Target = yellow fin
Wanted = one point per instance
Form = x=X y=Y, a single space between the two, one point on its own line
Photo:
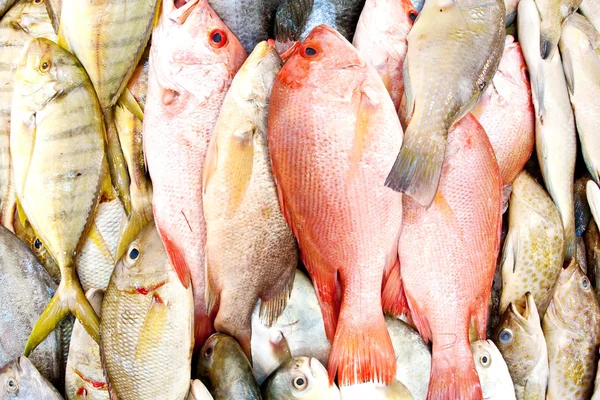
x=128 y=101
x=239 y=165
x=96 y=237
x=132 y=227
x=21 y=213
x=366 y=107
x=116 y=161
x=153 y=328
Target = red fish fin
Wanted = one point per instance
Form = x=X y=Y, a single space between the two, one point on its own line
x=393 y=298
x=203 y=328
x=453 y=373
x=480 y=317
x=327 y=288
x=177 y=259
x=362 y=353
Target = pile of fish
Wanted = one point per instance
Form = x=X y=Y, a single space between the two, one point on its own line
x=299 y=199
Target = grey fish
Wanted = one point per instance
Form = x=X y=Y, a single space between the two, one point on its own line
x=583 y=214
x=20 y=380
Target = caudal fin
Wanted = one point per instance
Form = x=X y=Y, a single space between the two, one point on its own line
x=393 y=298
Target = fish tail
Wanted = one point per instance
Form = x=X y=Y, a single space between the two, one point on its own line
x=68 y=298
x=393 y=298
x=453 y=373
x=140 y=216
x=418 y=167
x=116 y=161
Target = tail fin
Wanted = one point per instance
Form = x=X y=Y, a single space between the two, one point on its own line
x=131 y=227
x=453 y=373
x=116 y=160
x=393 y=298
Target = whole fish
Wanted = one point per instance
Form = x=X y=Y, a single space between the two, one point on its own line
x=449 y=252
x=454 y=50
x=251 y=21
x=198 y=391
x=20 y=380
x=84 y=377
x=25 y=289
x=188 y=76
x=147 y=324
x=578 y=45
x=506 y=113
x=251 y=253
x=5 y=5
x=347 y=252
x=520 y=339
x=555 y=139
x=592 y=246
x=55 y=111
x=532 y=257
x=27 y=235
x=300 y=378
x=572 y=330
x=496 y=382
x=225 y=370
x=25 y=20
x=583 y=215
x=553 y=14
x=380 y=38
x=591 y=10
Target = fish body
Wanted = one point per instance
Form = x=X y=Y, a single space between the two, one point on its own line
x=147 y=324
x=553 y=15
x=20 y=380
x=591 y=10
x=505 y=111
x=27 y=19
x=496 y=382
x=454 y=50
x=449 y=252
x=225 y=370
x=381 y=39
x=189 y=74
x=520 y=339
x=555 y=139
x=84 y=377
x=249 y=247
x=357 y=239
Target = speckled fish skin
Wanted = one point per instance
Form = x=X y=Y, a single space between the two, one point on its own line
x=505 y=111
x=147 y=325
x=591 y=10
x=225 y=370
x=454 y=50
x=358 y=238
x=532 y=257
x=25 y=20
x=496 y=383
x=187 y=82
x=84 y=377
x=251 y=21
x=251 y=252
x=380 y=37
x=555 y=138
x=27 y=236
x=25 y=289
x=579 y=44
x=300 y=378
x=553 y=14
x=572 y=330
x=20 y=380
x=448 y=257
x=58 y=188
x=520 y=339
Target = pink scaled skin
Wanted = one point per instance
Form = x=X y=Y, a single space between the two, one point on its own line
x=381 y=39
x=333 y=133
x=506 y=113
x=448 y=256
x=189 y=75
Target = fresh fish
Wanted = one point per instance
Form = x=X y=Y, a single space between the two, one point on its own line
x=532 y=257
x=25 y=289
x=300 y=378
x=449 y=252
x=25 y=20
x=578 y=45
x=506 y=113
x=225 y=370
x=572 y=330
x=5 y=5
x=84 y=377
x=251 y=21
x=520 y=339
x=188 y=77
x=54 y=8
x=496 y=383
x=147 y=325
x=198 y=391
x=592 y=246
x=272 y=353
x=251 y=253
x=27 y=236
x=109 y=37
x=553 y=14
x=346 y=252
x=555 y=139
x=418 y=4
x=583 y=215
x=511 y=11
x=591 y=10
x=381 y=39
x=454 y=50
x=20 y=380
x=55 y=111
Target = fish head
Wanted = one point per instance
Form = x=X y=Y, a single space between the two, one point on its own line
x=256 y=75
x=21 y=380
x=388 y=20
x=28 y=236
x=300 y=377
x=221 y=359
x=31 y=17
x=491 y=368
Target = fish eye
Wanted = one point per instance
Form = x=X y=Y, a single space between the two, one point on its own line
x=412 y=15
x=37 y=244
x=300 y=383
x=218 y=38
x=585 y=283
x=134 y=253
x=38 y=1
x=309 y=52
x=485 y=360
x=506 y=336
x=12 y=386
x=208 y=352
x=45 y=65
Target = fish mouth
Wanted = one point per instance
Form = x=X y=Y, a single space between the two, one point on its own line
x=316 y=368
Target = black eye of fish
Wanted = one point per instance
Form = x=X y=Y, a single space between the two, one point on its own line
x=310 y=52
x=484 y=360
x=505 y=336
x=134 y=253
x=585 y=282
x=413 y=16
x=12 y=385
x=38 y=1
x=208 y=352
x=37 y=244
x=299 y=383
x=45 y=66
x=218 y=38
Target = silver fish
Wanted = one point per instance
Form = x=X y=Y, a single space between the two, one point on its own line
x=20 y=380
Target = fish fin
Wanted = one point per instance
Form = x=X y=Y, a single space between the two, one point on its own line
x=157 y=13
x=539 y=89
x=548 y=42
x=453 y=373
x=97 y=239
x=61 y=41
x=362 y=353
x=415 y=172
x=210 y=162
x=128 y=101
x=420 y=320
x=8 y=212
x=177 y=259
x=153 y=327
x=131 y=227
x=273 y=304
x=366 y=107
x=116 y=161
x=393 y=298
x=203 y=328
x=68 y=298
x=568 y=68
x=21 y=213
x=480 y=316
x=239 y=164
x=408 y=93
x=211 y=296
